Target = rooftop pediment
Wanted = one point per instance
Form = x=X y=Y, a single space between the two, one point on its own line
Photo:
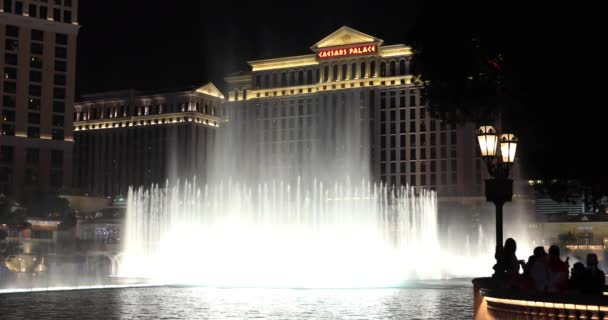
x=211 y=90
x=343 y=37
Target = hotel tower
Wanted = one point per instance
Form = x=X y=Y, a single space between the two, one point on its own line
x=352 y=72
x=38 y=63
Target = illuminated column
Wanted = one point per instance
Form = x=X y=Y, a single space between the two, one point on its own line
x=347 y=70
x=377 y=68
x=321 y=72
x=339 y=77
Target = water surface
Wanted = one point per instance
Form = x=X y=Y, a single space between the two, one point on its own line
x=451 y=299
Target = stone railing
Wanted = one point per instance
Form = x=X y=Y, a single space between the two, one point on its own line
x=491 y=303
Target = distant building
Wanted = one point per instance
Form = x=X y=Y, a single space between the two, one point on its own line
x=38 y=63
x=350 y=73
x=548 y=206
x=132 y=138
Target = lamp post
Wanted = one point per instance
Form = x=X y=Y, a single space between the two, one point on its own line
x=499 y=189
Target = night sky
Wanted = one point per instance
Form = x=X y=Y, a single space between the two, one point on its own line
x=553 y=55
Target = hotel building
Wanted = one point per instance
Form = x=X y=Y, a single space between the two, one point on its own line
x=130 y=138
x=38 y=62
x=350 y=71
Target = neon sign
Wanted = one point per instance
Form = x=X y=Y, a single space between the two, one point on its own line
x=348 y=51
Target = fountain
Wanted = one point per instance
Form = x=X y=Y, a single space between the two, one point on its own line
x=288 y=201
x=341 y=235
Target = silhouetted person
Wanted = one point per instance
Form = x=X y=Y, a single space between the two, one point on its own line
x=510 y=259
x=577 y=278
x=558 y=272
x=536 y=269
x=594 y=279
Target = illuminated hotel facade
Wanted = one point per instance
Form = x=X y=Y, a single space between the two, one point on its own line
x=38 y=63
x=408 y=145
x=130 y=138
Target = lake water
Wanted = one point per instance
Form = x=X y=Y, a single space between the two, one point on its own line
x=448 y=299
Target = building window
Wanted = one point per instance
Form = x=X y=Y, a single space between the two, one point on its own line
x=402 y=67
x=11 y=45
x=58 y=106
x=33 y=132
x=300 y=77
x=325 y=73
x=57 y=14
x=8 y=6
x=62 y=66
x=335 y=72
x=10 y=73
x=57 y=134
x=44 y=12
x=309 y=79
x=36 y=62
x=56 y=158
x=36 y=48
x=35 y=76
x=18 y=7
x=362 y=71
x=59 y=80
x=6 y=154
x=62 y=53
x=67 y=16
x=292 y=78
x=37 y=35
x=32 y=12
x=10 y=87
x=344 y=71
x=61 y=39
x=8 y=115
x=392 y=69
x=266 y=80
x=59 y=93
x=33 y=118
x=8 y=102
x=10 y=58
x=8 y=129
x=283 y=79
x=12 y=31
x=33 y=103
x=56 y=179
x=372 y=68
x=35 y=90
x=32 y=156
x=383 y=69
x=58 y=121
x=258 y=82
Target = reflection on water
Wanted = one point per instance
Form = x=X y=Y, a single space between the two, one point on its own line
x=421 y=300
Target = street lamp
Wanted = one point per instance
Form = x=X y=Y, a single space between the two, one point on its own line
x=499 y=189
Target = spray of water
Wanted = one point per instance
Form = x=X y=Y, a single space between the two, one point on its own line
x=282 y=235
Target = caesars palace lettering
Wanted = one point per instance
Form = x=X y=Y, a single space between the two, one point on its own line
x=344 y=52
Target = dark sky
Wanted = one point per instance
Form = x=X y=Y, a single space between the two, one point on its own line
x=554 y=54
